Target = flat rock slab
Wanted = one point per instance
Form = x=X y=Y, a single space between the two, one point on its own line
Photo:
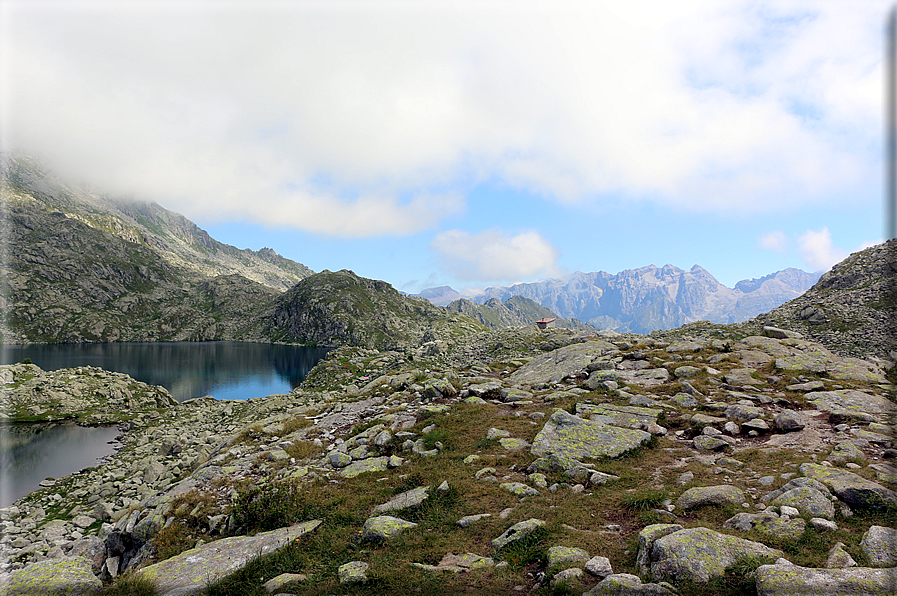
x=68 y=576
x=516 y=532
x=458 y=563
x=409 y=498
x=372 y=464
x=699 y=496
x=852 y=401
x=786 y=579
x=554 y=366
x=570 y=438
x=698 y=554
x=384 y=527
x=851 y=488
x=189 y=573
x=626 y=416
x=649 y=377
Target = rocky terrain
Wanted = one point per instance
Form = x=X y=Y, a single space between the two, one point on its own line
x=516 y=311
x=508 y=461
x=171 y=236
x=648 y=298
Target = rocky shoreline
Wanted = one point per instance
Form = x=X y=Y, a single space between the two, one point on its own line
x=745 y=442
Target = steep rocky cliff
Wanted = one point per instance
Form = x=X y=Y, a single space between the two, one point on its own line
x=648 y=298
x=173 y=237
x=342 y=308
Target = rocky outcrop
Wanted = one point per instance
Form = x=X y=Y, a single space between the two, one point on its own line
x=516 y=311
x=786 y=579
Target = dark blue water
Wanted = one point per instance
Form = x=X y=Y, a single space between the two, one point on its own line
x=223 y=369
x=30 y=453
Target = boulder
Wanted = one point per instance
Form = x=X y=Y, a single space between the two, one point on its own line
x=628 y=416
x=562 y=557
x=516 y=532
x=599 y=566
x=384 y=527
x=649 y=377
x=844 y=452
x=767 y=522
x=66 y=576
x=625 y=584
x=372 y=464
x=788 y=421
x=409 y=498
x=353 y=572
x=809 y=501
x=838 y=558
x=552 y=367
x=646 y=539
x=191 y=571
x=848 y=403
x=698 y=554
x=852 y=489
x=787 y=579
x=699 y=496
x=570 y=438
x=519 y=489
x=458 y=563
x=880 y=545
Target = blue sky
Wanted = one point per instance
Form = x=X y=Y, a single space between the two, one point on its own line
x=469 y=144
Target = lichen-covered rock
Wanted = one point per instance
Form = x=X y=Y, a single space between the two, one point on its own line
x=786 y=579
x=562 y=557
x=67 y=576
x=372 y=464
x=409 y=498
x=353 y=572
x=627 y=416
x=698 y=554
x=646 y=539
x=384 y=527
x=554 y=366
x=880 y=546
x=710 y=443
x=625 y=584
x=570 y=438
x=838 y=558
x=768 y=523
x=809 y=501
x=599 y=566
x=699 y=496
x=519 y=489
x=852 y=402
x=851 y=488
x=191 y=571
x=458 y=563
x=516 y=532
x=844 y=452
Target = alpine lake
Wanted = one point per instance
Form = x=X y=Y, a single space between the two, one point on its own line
x=30 y=453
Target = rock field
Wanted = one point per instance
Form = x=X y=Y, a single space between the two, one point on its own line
x=548 y=462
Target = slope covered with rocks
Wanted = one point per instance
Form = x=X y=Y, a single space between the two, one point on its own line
x=516 y=311
x=500 y=462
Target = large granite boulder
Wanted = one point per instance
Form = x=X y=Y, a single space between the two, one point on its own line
x=851 y=488
x=191 y=571
x=66 y=576
x=570 y=438
x=852 y=403
x=787 y=579
x=880 y=546
x=809 y=501
x=699 y=496
x=698 y=554
x=554 y=366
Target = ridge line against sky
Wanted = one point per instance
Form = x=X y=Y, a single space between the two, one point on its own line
x=469 y=144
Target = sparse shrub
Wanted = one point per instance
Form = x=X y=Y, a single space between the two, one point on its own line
x=131 y=584
x=276 y=506
x=643 y=500
x=528 y=550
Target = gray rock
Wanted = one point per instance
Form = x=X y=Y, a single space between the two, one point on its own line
x=563 y=557
x=384 y=527
x=553 y=367
x=516 y=532
x=191 y=571
x=275 y=584
x=563 y=577
x=809 y=501
x=625 y=584
x=838 y=558
x=786 y=579
x=372 y=464
x=338 y=459
x=847 y=403
x=626 y=416
x=514 y=394
x=844 y=452
x=756 y=424
x=743 y=413
x=767 y=523
x=66 y=576
x=709 y=443
x=599 y=566
x=880 y=545
x=686 y=372
x=569 y=438
x=649 y=377
x=700 y=496
x=519 y=489
x=353 y=572
x=850 y=488
x=646 y=538
x=469 y=520
x=409 y=498
x=788 y=421
x=698 y=554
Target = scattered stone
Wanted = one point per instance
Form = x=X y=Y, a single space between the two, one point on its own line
x=566 y=556
x=599 y=566
x=275 y=584
x=458 y=563
x=625 y=584
x=384 y=527
x=700 y=496
x=468 y=520
x=353 y=572
x=788 y=421
x=825 y=525
x=516 y=532
x=808 y=501
x=880 y=545
x=850 y=488
x=409 y=498
x=519 y=489
x=373 y=464
x=838 y=558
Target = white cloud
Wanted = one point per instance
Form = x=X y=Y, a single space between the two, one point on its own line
x=493 y=255
x=817 y=250
x=775 y=240
x=249 y=109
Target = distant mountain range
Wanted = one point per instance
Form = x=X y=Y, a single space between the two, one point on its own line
x=648 y=298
